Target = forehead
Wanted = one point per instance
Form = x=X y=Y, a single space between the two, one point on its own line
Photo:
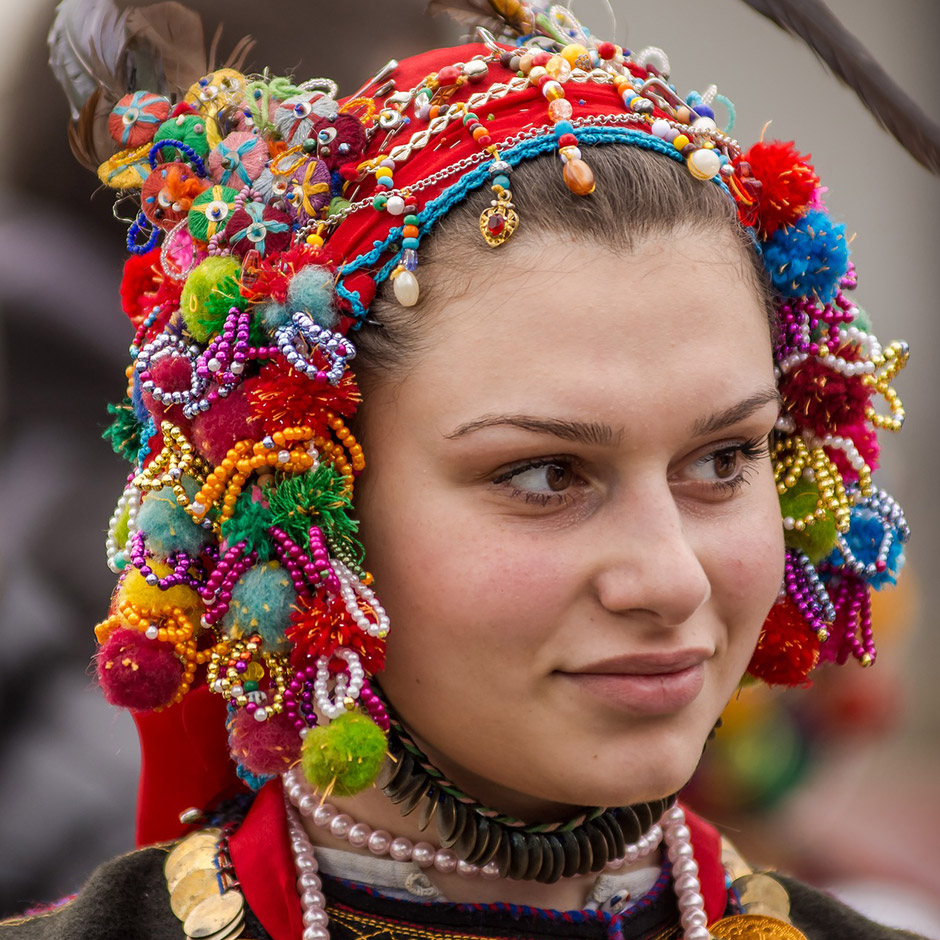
x=676 y=324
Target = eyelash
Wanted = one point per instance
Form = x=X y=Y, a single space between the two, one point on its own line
x=750 y=452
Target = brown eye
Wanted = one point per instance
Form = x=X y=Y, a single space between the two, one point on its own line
x=558 y=477
x=726 y=464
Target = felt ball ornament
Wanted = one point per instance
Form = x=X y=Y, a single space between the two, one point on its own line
x=809 y=258
x=787 y=649
x=238 y=160
x=823 y=400
x=340 y=139
x=309 y=189
x=231 y=419
x=275 y=189
x=168 y=192
x=170 y=373
x=311 y=290
x=136 y=672
x=819 y=537
x=134 y=589
x=188 y=129
x=217 y=90
x=263 y=748
x=167 y=526
x=126 y=170
x=262 y=600
x=212 y=286
x=257 y=227
x=210 y=212
x=345 y=756
x=788 y=183
x=136 y=117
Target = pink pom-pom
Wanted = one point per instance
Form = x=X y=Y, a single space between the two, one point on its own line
x=266 y=747
x=228 y=421
x=136 y=672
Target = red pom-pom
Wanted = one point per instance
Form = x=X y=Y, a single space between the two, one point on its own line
x=139 y=283
x=284 y=398
x=822 y=400
x=271 y=277
x=266 y=747
x=787 y=649
x=228 y=421
x=788 y=183
x=319 y=626
x=171 y=374
x=136 y=672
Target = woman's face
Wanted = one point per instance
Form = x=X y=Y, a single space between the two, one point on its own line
x=570 y=513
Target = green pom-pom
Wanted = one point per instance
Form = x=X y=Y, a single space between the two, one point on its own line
x=345 y=756
x=316 y=498
x=818 y=539
x=210 y=291
x=250 y=523
x=124 y=430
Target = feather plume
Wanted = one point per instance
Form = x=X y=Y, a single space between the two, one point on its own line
x=502 y=18
x=815 y=24
x=99 y=53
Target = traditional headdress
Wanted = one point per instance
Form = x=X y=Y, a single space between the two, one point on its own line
x=267 y=215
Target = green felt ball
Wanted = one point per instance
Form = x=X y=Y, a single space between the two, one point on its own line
x=190 y=129
x=262 y=601
x=818 y=539
x=345 y=756
x=210 y=291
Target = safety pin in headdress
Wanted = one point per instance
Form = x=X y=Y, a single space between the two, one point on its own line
x=379 y=76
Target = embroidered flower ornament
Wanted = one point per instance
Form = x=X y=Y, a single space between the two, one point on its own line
x=270 y=214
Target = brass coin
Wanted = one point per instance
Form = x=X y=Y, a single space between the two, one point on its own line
x=758 y=889
x=230 y=932
x=202 y=856
x=754 y=927
x=214 y=914
x=195 y=887
x=204 y=836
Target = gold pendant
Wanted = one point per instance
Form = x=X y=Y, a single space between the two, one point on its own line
x=754 y=927
x=500 y=220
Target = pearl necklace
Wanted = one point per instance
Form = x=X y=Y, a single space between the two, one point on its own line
x=673 y=832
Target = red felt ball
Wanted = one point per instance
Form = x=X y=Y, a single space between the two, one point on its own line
x=788 y=183
x=822 y=400
x=228 y=421
x=263 y=747
x=136 y=672
x=171 y=374
x=787 y=649
x=349 y=143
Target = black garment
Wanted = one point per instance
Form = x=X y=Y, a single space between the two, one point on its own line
x=127 y=899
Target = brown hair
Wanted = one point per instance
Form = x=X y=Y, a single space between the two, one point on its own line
x=638 y=195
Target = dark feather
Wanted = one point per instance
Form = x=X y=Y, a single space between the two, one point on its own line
x=468 y=13
x=814 y=23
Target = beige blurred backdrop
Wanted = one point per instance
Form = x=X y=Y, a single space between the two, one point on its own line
x=68 y=761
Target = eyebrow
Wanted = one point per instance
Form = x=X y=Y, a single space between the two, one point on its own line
x=739 y=412
x=598 y=434
x=579 y=432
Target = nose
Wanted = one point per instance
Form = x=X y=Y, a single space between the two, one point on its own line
x=646 y=563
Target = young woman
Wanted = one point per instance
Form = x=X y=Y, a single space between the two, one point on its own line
x=619 y=411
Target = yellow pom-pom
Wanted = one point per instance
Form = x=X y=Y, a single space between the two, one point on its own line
x=135 y=590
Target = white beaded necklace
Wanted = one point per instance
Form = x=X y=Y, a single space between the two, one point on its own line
x=301 y=797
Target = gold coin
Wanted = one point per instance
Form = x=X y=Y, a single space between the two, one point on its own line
x=754 y=927
x=214 y=914
x=231 y=932
x=202 y=856
x=762 y=890
x=195 y=887
x=204 y=836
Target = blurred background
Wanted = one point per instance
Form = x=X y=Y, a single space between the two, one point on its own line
x=836 y=783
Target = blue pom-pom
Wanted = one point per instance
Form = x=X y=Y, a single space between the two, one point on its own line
x=864 y=539
x=167 y=527
x=273 y=315
x=808 y=258
x=262 y=600
x=311 y=290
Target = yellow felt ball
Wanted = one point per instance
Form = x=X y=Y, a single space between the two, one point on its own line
x=135 y=590
x=680 y=141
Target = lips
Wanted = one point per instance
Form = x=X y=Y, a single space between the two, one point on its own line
x=647 y=684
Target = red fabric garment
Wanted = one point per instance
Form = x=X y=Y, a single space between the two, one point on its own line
x=184 y=762
x=264 y=866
